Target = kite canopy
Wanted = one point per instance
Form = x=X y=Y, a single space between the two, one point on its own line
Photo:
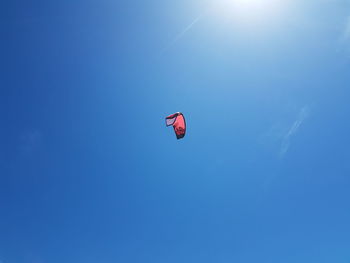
x=177 y=120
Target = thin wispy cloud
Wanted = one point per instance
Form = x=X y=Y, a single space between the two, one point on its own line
x=286 y=140
x=279 y=137
x=182 y=33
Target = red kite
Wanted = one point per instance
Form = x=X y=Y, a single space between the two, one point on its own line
x=177 y=120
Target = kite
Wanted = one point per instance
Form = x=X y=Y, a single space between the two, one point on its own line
x=177 y=120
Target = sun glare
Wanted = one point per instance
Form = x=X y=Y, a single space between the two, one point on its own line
x=247 y=10
x=243 y=3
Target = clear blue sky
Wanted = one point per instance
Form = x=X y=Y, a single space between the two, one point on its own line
x=89 y=172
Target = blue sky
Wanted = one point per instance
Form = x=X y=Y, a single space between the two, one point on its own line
x=89 y=172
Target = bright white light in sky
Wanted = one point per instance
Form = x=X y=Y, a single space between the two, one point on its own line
x=250 y=11
x=244 y=3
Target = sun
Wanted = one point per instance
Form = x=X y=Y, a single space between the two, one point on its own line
x=243 y=3
x=247 y=10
